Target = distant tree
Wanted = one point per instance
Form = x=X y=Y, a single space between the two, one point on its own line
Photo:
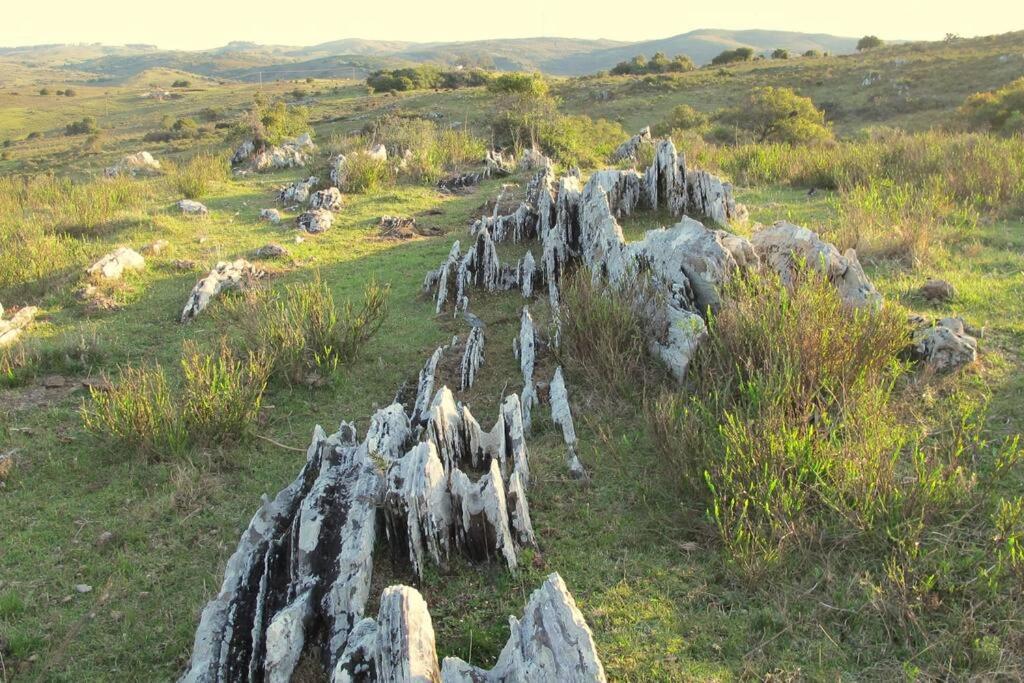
x=532 y=85
x=780 y=53
x=683 y=117
x=681 y=63
x=298 y=94
x=309 y=80
x=271 y=123
x=69 y=92
x=869 y=43
x=521 y=108
x=60 y=93
x=659 y=63
x=181 y=83
x=636 y=65
x=44 y=91
x=184 y=126
x=812 y=53
x=951 y=38
x=740 y=54
x=780 y=115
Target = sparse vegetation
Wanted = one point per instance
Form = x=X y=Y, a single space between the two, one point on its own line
x=199 y=175
x=87 y=125
x=1000 y=111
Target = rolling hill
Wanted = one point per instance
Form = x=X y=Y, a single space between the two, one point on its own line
x=242 y=60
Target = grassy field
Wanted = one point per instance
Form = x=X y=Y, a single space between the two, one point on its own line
x=655 y=585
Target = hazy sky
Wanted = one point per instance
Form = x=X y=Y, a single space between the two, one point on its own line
x=192 y=24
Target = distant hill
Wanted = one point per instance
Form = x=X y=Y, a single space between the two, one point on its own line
x=244 y=60
x=701 y=46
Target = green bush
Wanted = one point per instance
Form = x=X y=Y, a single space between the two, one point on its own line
x=86 y=125
x=269 y=123
x=195 y=178
x=658 y=64
x=1000 y=111
x=780 y=115
x=683 y=117
x=518 y=83
x=869 y=43
x=580 y=140
x=740 y=54
x=301 y=331
x=366 y=174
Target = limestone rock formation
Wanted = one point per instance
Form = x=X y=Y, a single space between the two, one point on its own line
x=561 y=415
x=472 y=358
x=190 y=207
x=113 y=265
x=550 y=644
x=315 y=221
x=271 y=250
x=339 y=169
x=261 y=157
x=784 y=246
x=156 y=248
x=225 y=275
x=377 y=152
x=945 y=346
x=270 y=215
x=329 y=199
x=629 y=148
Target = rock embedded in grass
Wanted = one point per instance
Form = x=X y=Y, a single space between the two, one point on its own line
x=13 y=327
x=113 y=265
x=191 y=207
x=225 y=275
x=945 y=346
x=315 y=221
x=298 y=192
x=329 y=199
x=270 y=215
x=271 y=251
x=134 y=164
x=937 y=290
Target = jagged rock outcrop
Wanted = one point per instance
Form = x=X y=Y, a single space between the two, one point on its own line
x=12 y=328
x=708 y=195
x=190 y=207
x=113 y=265
x=945 y=346
x=550 y=644
x=298 y=192
x=225 y=275
x=472 y=358
x=315 y=221
x=784 y=247
x=525 y=347
x=329 y=199
x=630 y=148
x=140 y=163
x=339 y=169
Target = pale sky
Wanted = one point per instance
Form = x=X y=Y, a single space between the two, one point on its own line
x=198 y=24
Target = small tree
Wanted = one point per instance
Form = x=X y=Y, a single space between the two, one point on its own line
x=659 y=63
x=740 y=54
x=69 y=92
x=521 y=107
x=812 y=53
x=86 y=125
x=181 y=83
x=44 y=91
x=869 y=43
x=780 y=53
x=683 y=117
x=780 y=115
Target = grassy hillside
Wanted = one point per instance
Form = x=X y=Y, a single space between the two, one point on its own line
x=934 y=595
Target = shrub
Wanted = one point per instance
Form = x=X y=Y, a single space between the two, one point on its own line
x=740 y=54
x=199 y=175
x=658 y=64
x=579 y=140
x=181 y=83
x=44 y=91
x=221 y=392
x=138 y=413
x=789 y=434
x=683 y=117
x=1000 y=111
x=300 y=329
x=86 y=125
x=217 y=402
x=364 y=173
x=270 y=124
x=605 y=330
x=780 y=53
x=68 y=92
x=518 y=83
x=869 y=43
x=780 y=115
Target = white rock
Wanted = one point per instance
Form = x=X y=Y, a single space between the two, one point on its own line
x=225 y=275
x=114 y=264
x=190 y=207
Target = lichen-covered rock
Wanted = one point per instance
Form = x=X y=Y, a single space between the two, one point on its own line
x=685 y=332
x=377 y=152
x=298 y=192
x=289 y=154
x=156 y=248
x=945 y=346
x=784 y=246
x=315 y=221
x=13 y=327
x=270 y=215
x=271 y=250
x=329 y=199
x=339 y=169
x=550 y=644
x=561 y=415
x=190 y=207
x=225 y=275
x=480 y=512
x=113 y=265
x=938 y=290
x=707 y=195
x=525 y=346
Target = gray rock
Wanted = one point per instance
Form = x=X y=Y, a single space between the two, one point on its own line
x=945 y=346
x=190 y=207
x=114 y=264
x=140 y=163
x=271 y=250
x=937 y=290
x=329 y=199
x=12 y=328
x=298 y=192
x=225 y=275
x=629 y=148
x=270 y=215
x=315 y=221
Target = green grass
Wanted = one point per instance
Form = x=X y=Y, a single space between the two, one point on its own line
x=655 y=586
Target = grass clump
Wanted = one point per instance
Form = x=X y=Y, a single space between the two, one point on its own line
x=302 y=332
x=216 y=403
x=366 y=174
x=199 y=175
x=605 y=330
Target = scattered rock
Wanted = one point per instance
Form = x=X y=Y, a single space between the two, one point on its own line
x=945 y=346
x=183 y=264
x=97 y=384
x=55 y=381
x=378 y=152
x=298 y=192
x=270 y=215
x=83 y=588
x=397 y=227
x=190 y=207
x=937 y=290
x=225 y=275
x=156 y=248
x=315 y=221
x=271 y=251
x=139 y=163
x=289 y=154
x=329 y=199
x=113 y=265
x=12 y=328
x=105 y=539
